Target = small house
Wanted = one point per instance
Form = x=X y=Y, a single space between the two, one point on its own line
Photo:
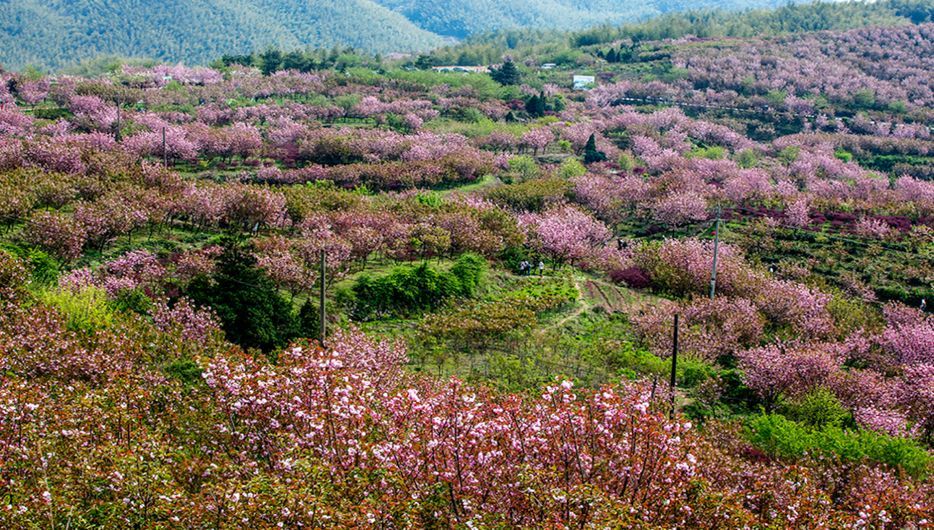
x=584 y=82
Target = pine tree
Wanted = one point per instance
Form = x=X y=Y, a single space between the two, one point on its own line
x=271 y=61
x=250 y=308
x=424 y=62
x=531 y=105
x=507 y=74
x=591 y=154
x=541 y=104
x=309 y=325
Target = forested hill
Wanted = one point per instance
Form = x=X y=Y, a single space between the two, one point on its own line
x=55 y=33
x=462 y=18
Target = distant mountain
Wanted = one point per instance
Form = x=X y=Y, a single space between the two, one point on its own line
x=463 y=18
x=54 y=33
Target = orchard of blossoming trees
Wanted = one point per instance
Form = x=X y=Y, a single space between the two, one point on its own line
x=499 y=311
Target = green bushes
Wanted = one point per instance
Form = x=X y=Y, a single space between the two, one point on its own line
x=43 y=269
x=475 y=327
x=783 y=438
x=532 y=195
x=469 y=270
x=87 y=310
x=571 y=168
x=409 y=289
x=521 y=168
x=714 y=152
x=820 y=408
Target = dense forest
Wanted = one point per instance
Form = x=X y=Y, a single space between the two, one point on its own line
x=568 y=48
x=52 y=34
x=57 y=33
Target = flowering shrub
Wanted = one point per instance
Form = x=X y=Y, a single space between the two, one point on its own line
x=483 y=451
x=564 y=233
x=710 y=329
x=909 y=335
x=60 y=235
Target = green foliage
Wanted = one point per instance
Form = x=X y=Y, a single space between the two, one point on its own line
x=531 y=195
x=475 y=327
x=571 y=168
x=507 y=74
x=693 y=371
x=470 y=270
x=252 y=312
x=55 y=34
x=475 y=129
x=185 y=370
x=522 y=168
x=790 y=18
x=307 y=199
x=409 y=289
x=789 y=154
x=747 y=158
x=626 y=162
x=714 y=152
x=845 y=156
x=784 y=438
x=851 y=314
x=535 y=105
x=819 y=408
x=430 y=199
x=132 y=300
x=309 y=319
x=513 y=255
x=87 y=310
x=591 y=153
x=43 y=268
x=864 y=98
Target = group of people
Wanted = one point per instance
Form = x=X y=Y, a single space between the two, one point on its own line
x=526 y=268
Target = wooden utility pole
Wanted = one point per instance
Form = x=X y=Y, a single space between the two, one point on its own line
x=716 y=248
x=117 y=136
x=674 y=363
x=322 y=316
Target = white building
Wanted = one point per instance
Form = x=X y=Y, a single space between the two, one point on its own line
x=462 y=69
x=584 y=82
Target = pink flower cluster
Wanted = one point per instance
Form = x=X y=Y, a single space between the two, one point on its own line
x=519 y=461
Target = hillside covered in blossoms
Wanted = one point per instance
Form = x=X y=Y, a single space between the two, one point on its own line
x=331 y=290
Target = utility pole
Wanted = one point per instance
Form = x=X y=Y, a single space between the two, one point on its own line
x=117 y=135
x=716 y=248
x=674 y=363
x=165 y=152
x=321 y=314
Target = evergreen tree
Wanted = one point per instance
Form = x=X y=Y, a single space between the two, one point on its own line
x=309 y=323
x=531 y=105
x=252 y=312
x=591 y=154
x=424 y=62
x=297 y=61
x=541 y=104
x=536 y=105
x=507 y=74
x=557 y=104
x=270 y=61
